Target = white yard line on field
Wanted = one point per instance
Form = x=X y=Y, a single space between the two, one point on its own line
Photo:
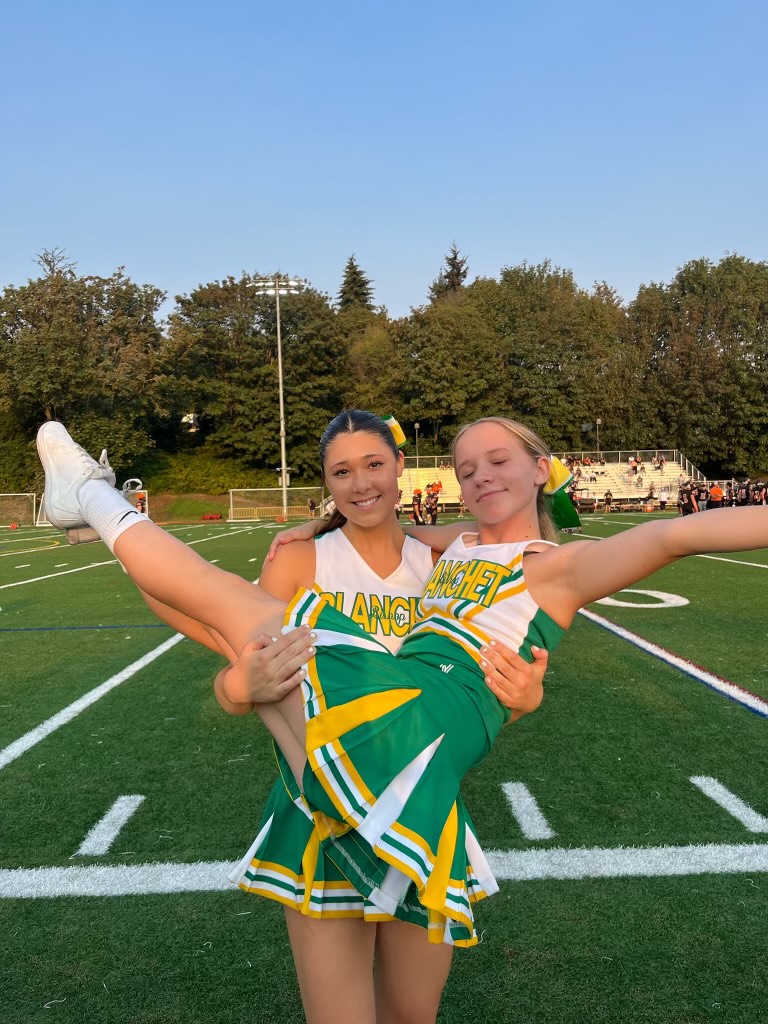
x=40 y=732
x=724 y=686
x=731 y=803
x=113 y=561
x=507 y=865
x=105 y=832
x=50 y=576
x=526 y=811
x=714 y=558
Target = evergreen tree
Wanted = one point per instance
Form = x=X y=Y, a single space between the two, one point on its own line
x=451 y=277
x=356 y=291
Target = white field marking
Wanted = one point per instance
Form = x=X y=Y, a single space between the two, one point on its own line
x=724 y=686
x=526 y=811
x=50 y=576
x=40 y=732
x=507 y=865
x=714 y=558
x=30 y=551
x=106 y=831
x=61 y=565
x=25 y=566
x=661 y=600
x=749 y=818
x=113 y=561
x=735 y=561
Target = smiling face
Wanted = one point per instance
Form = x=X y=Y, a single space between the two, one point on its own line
x=362 y=475
x=499 y=481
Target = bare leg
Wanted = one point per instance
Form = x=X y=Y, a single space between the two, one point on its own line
x=204 y=635
x=175 y=575
x=411 y=973
x=334 y=965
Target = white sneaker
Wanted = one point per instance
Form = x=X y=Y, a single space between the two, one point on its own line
x=67 y=467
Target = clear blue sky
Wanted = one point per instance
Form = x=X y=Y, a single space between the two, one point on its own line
x=189 y=141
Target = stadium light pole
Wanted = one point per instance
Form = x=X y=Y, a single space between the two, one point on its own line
x=598 y=421
x=278 y=285
x=416 y=428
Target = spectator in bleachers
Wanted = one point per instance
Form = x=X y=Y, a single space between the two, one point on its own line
x=662 y=464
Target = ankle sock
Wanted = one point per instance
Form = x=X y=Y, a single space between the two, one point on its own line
x=107 y=511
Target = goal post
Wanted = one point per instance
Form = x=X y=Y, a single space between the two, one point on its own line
x=17 y=508
x=267 y=503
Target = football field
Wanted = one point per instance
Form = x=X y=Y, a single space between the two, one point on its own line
x=628 y=817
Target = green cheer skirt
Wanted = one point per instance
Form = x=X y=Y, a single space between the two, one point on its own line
x=378 y=828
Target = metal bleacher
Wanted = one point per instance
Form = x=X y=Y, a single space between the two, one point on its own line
x=628 y=489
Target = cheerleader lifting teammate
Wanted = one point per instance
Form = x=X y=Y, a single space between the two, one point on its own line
x=378 y=744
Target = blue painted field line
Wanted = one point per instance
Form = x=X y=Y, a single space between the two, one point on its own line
x=733 y=691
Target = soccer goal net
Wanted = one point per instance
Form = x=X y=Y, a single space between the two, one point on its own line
x=17 y=508
x=267 y=503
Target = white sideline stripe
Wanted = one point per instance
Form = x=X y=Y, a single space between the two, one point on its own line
x=629 y=862
x=714 y=558
x=507 y=865
x=50 y=576
x=735 y=561
x=526 y=811
x=113 y=561
x=106 y=831
x=40 y=732
x=736 y=807
x=737 y=693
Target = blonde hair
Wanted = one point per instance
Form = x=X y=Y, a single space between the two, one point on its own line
x=536 y=448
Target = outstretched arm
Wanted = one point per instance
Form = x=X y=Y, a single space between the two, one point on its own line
x=575 y=574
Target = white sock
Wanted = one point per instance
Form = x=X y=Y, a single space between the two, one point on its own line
x=107 y=511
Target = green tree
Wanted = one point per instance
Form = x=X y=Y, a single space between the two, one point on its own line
x=221 y=357
x=706 y=336
x=555 y=346
x=82 y=350
x=451 y=277
x=356 y=290
x=447 y=369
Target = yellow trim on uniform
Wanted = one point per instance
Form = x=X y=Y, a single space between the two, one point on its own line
x=279 y=869
x=502 y=595
x=314 y=679
x=440 y=876
x=343 y=718
x=415 y=838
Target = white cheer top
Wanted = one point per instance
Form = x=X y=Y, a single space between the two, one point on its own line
x=385 y=608
x=478 y=593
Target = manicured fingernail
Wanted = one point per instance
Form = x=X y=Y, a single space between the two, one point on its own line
x=493 y=643
x=535 y=649
x=310 y=650
x=487 y=679
x=483 y=664
x=313 y=635
x=483 y=650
